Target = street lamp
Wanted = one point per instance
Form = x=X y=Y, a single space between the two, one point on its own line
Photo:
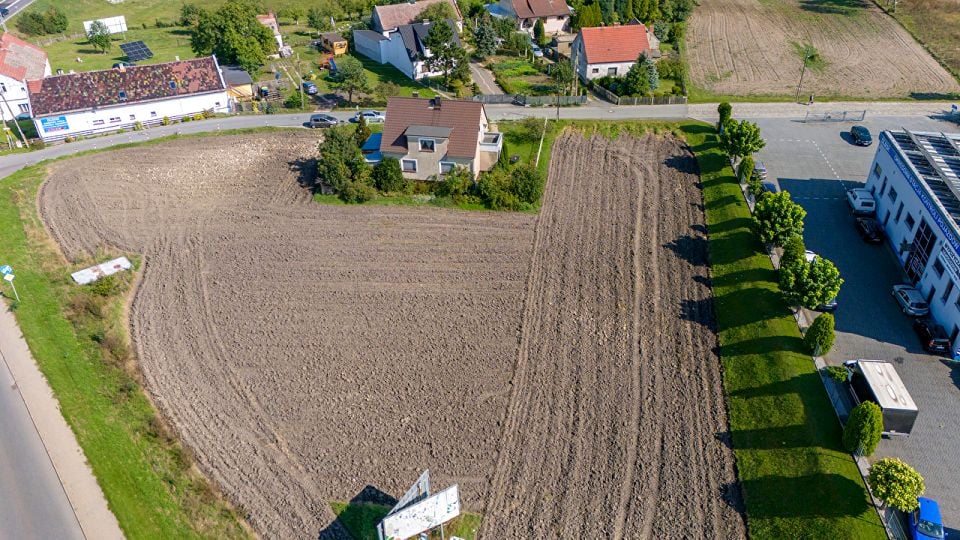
x=803 y=70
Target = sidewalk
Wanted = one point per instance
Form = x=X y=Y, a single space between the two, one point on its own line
x=708 y=111
x=76 y=477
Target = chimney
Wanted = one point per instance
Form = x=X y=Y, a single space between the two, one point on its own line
x=59 y=71
x=436 y=102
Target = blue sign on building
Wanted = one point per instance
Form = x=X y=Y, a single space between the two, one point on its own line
x=50 y=125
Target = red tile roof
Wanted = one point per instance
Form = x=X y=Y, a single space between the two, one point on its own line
x=270 y=21
x=81 y=91
x=20 y=60
x=463 y=117
x=527 y=9
x=614 y=43
x=396 y=15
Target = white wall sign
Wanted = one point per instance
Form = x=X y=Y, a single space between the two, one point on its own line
x=422 y=516
x=116 y=25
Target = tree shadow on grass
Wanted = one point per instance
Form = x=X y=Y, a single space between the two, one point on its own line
x=692 y=249
x=306 y=170
x=750 y=275
x=764 y=345
x=732 y=247
x=359 y=519
x=811 y=496
x=732 y=224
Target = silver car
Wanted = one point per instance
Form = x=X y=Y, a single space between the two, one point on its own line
x=911 y=301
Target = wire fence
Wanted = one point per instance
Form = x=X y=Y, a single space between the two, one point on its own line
x=835 y=116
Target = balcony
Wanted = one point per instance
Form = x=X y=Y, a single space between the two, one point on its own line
x=491 y=142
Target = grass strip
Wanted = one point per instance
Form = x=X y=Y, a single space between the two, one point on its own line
x=361 y=519
x=796 y=480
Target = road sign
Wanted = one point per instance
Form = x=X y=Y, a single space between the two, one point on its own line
x=6 y=269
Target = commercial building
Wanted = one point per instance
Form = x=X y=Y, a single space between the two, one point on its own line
x=915 y=178
x=19 y=61
x=107 y=100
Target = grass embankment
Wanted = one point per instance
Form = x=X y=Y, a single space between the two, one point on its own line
x=78 y=337
x=361 y=520
x=935 y=24
x=796 y=480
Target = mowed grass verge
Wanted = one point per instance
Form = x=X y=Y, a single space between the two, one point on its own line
x=361 y=519
x=148 y=479
x=796 y=480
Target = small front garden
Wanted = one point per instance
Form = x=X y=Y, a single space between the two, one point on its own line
x=521 y=76
x=646 y=78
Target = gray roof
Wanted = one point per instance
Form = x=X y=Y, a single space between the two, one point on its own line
x=234 y=76
x=428 y=131
x=414 y=34
x=935 y=158
x=369 y=34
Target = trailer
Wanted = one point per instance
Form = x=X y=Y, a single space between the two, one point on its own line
x=878 y=381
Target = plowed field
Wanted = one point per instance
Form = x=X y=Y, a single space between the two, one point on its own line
x=746 y=47
x=560 y=368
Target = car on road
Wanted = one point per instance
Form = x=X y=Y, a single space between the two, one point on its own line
x=860 y=136
x=537 y=51
x=870 y=230
x=926 y=522
x=759 y=170
x=861 y=201
x=375 y=117
x=932 y=336
x=309 y=87
x=321 y=120
x=911 y=301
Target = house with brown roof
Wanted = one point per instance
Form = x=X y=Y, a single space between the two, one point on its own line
x=430 y=137
x=19 y=61
x=403 y=47
x=92 y=102
x=386 y=19
x=555 y=14
x=270 y=21
x=612 y=50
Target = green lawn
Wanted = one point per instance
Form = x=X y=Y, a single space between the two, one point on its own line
x=166 y=43
x=518 y=76
x=796 y=480
x=361 y=520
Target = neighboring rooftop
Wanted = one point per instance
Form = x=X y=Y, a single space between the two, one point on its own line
x=331 y=37
x=936 y=158
x=109 y=87
x=393 y=16
x=887 y=386
x=528 y=9
x=462 y=118
x=270 y=21
x=235 y=76
x=20 y=60
x=624 y=43
x=414 y=34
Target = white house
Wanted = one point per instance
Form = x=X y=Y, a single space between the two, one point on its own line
x=611 y=50
x=915 y=179
x=403 y=47
x=270 y=21
x=432 y=136
x=386 y=19
x=19 y=61
x=555 y=14
x=113 y=99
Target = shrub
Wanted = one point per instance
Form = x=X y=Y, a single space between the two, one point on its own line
x=526 y=183
x=138 y=126
x=838 y=373
x=455 y=184
x=494 y=188
x=165 y=121
x=724 y=110
x=864 y=428
x=897 y=484
x=745 y=170
x=819 y=337
x=105 y=286
x=387 y=176
x=357 y=192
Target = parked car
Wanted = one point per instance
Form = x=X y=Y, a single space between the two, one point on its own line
x=911 y=301
x=309 y=87
x=870 y=230
x=829 y=306
x=537 y=51
x=759 y=170
x=320 y=120
x=810 y=256
x=932 y=336
x=925 y=521
x=861 y=136
x=861 y=201
x=375 y=117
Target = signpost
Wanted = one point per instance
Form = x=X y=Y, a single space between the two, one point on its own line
x=7 y=272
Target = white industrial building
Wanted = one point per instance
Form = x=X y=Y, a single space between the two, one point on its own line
x=19 y=61
x=92 y=102
x=915 y=178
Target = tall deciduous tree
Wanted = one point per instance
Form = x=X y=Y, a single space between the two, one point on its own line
x=54 y=21
x=388 y=177
x=234 y=35
x=318 y=20
x=778 y=218
x=539 y=33
x=440 y=11
x=864 y=428
x=896 y=484
x=99 y=36
x=350 y=77
x=740 y=139
x=341 y=165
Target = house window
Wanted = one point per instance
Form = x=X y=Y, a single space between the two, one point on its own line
x=938 y=268
x=115 y=119
x=447 y=167
x=427 y=145
x=595 y=70
x=123 y=95
x=409 y=165
x=946 y=292
x=612 y=71
x=153 y=114
x=98 y=122
x=173 y=85
x=883 y=186
x=910 y=222
x=217 y=104
x=133 y=117
x=899 y=211
x=3 y=88
x=892 y=194
x=24 y=108
x=877 y=170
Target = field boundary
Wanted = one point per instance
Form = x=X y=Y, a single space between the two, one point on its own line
x=937 y=57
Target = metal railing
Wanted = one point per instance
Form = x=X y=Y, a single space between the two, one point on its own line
x=835 y=116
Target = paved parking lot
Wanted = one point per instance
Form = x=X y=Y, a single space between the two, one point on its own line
x=816 y=164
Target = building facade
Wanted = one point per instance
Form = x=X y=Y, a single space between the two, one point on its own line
x=402 y=48
x=555 y=14
x=94 y=102
x=611 y=50
x=19 y=62
x=915 y=179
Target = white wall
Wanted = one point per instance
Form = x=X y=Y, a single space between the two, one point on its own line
x=944 y=311
x=16 y=95
x=87 y=122
x=622 y=68
x=553 y=25
x=395 y=54
x=368 y=47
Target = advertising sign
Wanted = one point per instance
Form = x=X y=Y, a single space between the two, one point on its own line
x=422 y=516
x=950 y=261
x=418 y=491
x=51 y=125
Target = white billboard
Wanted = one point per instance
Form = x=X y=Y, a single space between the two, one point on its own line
x=422 y=516
x=418 y=491
x=116 y=25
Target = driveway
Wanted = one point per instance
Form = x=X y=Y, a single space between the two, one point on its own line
x=816 y=166
x=484 y=79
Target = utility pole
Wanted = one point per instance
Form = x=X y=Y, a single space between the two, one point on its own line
x=802 y=71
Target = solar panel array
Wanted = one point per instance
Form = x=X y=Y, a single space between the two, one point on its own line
x=136 y=51
x=938 y=162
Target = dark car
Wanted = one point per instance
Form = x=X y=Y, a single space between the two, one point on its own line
x=322 y=121
x=861 y=136
x=309 y=87
x=870 y=230
x=932 y=336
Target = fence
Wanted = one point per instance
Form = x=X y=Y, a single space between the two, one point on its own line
x=533 y=101
x=650 y=100
x=835 y=116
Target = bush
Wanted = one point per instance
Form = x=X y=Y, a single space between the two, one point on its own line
x=388 y=177
x=494 y=187
x=838 y=373
x=897 y=484
x=526 y=184
x=165 y=121
x=455 y=184
x=864 y=429
x=105 y=286
x=357 y=192
x=820 y=335
x=199 y=116
x=138 y=126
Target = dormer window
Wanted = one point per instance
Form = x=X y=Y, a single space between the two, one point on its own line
x=173 y=85
x=123 y=95
x=427 y=145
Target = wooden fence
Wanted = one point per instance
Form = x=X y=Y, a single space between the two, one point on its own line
x=533 y=101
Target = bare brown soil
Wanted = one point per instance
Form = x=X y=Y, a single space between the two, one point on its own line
x=745 y=47
x=305 y=352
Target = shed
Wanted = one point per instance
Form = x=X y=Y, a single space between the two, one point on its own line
x=334 y=43
x=239 y=83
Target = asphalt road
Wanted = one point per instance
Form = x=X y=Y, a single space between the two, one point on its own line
x=484 y=79
x=14 y=6
x=816 y=164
